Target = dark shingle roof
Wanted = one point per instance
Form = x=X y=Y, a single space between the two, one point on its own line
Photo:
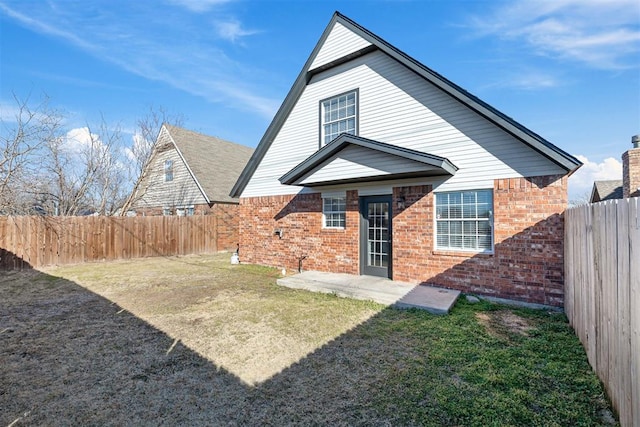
x=215 y=163
x=606 y=190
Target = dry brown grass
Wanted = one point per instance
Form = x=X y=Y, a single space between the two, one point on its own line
x=234 y=316
x=113 y=342
x=502 y=322
x=196 y=341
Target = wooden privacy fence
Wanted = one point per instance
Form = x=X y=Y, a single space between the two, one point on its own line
x=38 y=241
x=602 y=295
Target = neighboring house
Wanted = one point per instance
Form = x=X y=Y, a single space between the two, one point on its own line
x=629 y=185
x=606 y=190
x=376 y=165
x=191 y=174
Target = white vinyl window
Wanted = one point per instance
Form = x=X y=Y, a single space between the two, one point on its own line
x=167 y=211
x=339 y=115
x=464 y=220
x=185 y=211
x=168 y=170
x=334 y=212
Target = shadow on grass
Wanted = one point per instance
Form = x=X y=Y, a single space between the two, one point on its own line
x=72 y=357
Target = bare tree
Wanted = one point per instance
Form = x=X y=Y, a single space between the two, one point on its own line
x=22 y=139
x=113 y=181
x=87 y=173
x=47 y=171
x=582 y=199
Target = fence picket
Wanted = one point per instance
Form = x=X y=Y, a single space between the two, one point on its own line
x=602 y=276
x=634 y=310
x=41 y=241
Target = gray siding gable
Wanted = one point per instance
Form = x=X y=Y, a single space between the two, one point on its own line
x=205 y=169
x=364 y=160
x=153 y=191
x=521 y=133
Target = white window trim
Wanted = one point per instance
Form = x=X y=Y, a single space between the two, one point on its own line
x=356 y=92
x=333 y=195
x=168 y=162
x=463 y=250
x=184 y=210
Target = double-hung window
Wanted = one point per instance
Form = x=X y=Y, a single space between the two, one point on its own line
x=339 y=114
x=464 y=220
x=168 y=170
x=334 y=212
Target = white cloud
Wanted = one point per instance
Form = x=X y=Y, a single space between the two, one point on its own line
x=232 y=30
x=526 y=80
x=198 y=6
x=8 y=112
x=164 y=49
x=78 y=139
x=43 y=27
x=581 y=182
x=601 y=33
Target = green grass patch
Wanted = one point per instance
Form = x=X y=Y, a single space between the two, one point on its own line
x=491 y=365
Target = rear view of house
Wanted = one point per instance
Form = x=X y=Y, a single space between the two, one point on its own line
x=377 y=165
x=191 y=174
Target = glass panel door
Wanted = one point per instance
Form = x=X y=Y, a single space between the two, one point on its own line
x=378 y=254
x=376 y=236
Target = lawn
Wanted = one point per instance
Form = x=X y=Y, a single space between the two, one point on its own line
x=197 y=341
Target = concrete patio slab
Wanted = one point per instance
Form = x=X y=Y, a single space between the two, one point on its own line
x=384 y=291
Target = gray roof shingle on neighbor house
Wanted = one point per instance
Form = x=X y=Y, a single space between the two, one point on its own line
x=215 y=163
x=606 y=190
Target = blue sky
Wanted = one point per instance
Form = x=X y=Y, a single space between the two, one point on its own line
x=567 y=69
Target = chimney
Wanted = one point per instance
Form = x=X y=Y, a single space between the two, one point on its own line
x=631 y=169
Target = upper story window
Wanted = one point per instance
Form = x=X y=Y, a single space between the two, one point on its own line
x=339 y=114
x=464 y=220
x=168 y=170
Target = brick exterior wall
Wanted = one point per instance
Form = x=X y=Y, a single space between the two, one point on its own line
x=631 y=173
x=527 y=263
x=300 y=219
x=227 y=221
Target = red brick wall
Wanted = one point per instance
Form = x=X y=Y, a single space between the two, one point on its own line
x=300 y=219
x=227 y=221
x=228 y=224
x=631 y=173
x=527 y=263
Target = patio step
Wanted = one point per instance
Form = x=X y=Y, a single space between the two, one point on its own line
x=381 y=290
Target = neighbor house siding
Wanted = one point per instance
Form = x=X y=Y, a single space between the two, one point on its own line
x=399 y=107
x=154 y=191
